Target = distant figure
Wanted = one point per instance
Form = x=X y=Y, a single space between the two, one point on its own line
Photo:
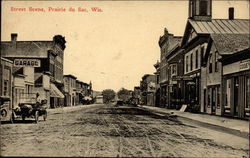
x=38 y=98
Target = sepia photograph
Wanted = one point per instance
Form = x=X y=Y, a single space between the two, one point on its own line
x=125 y=78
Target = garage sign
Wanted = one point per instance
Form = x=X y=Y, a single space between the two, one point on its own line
x=27 y=62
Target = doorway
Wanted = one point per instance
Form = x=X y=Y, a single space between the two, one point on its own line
x=213 y=100
x=236 y=95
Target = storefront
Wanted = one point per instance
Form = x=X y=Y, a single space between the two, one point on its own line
x=236 y=88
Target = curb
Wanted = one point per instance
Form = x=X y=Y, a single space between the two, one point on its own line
x=204 y=124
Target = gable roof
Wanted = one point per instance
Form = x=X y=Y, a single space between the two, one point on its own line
x=217 y=26
x=227 y=44
x=236 y=26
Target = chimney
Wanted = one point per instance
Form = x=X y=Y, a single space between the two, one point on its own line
x=14 y=37
x=231 y=13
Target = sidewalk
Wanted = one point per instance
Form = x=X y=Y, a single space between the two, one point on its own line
x=228 y=125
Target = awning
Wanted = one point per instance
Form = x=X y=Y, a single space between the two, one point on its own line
x=55 y=92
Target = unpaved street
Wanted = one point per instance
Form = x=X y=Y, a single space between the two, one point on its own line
x=107 y=130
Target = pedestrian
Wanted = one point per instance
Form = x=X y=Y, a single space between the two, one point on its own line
x=38 y=100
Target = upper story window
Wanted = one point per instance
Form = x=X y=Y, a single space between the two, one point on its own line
x=216 y=61
x=186 y=63
x=196 y=59
x=210 y=66
x=173 y=70
x=191 y=62
x=203 y=7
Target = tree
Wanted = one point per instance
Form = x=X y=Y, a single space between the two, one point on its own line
x=108 y=95
x=123 y=94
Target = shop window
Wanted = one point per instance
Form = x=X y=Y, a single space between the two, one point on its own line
x=218 y=97
x=208 y=97
x=228 y=93
x=247 y=92
x=191 y=62
x=205 y=97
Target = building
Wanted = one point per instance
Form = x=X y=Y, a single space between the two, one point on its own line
x=147 y=86
x=136 y=95
x=37 y=60
x=79 y=92
x=226 y=69
x=157 y=84
x=99 y=99
x=6 y=80
x=166 y=42
x=69 y=90
x=175 y=77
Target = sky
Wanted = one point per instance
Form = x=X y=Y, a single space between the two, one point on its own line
x=113 y=48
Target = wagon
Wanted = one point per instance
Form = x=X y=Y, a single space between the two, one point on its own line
x=30 y=108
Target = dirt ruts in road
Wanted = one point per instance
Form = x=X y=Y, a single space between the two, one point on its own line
x=111 y=131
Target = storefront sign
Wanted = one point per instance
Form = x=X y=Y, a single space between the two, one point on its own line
x=27 y=62
x=236 y=67
x=185 y=78
x=245 y=65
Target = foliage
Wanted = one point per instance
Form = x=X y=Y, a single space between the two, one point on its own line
x=123 y=94
x=108 y=95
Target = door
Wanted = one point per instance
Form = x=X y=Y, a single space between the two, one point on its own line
x=213 y=100
x=236 y=95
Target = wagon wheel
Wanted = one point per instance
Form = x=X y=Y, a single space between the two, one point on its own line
x=36 y=116
x=45 y=116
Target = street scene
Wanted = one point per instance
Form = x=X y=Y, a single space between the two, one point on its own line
x=115 y=131
x=125 y=78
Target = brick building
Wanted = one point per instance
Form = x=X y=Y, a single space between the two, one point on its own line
x=166 y=42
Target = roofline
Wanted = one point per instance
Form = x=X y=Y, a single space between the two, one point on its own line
x=225 y=57
x=5 y=59
x=26 y=41
x=69 y=75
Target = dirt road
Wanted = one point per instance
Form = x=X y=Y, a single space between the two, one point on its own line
x=106 y=130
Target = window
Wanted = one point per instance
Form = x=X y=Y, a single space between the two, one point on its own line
x=247 y=92
x=196 y=59
x=203 y=7
x=218 y=97
x=208 y=97
x=5 y=88
x=216 y=61
x=210 y=64
x=205 y=97
x=191 y=62
x=202 y=51
x=174 y=71
x=186 y=63
x=228 y=93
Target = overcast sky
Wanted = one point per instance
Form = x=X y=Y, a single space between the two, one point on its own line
x=113 y=48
